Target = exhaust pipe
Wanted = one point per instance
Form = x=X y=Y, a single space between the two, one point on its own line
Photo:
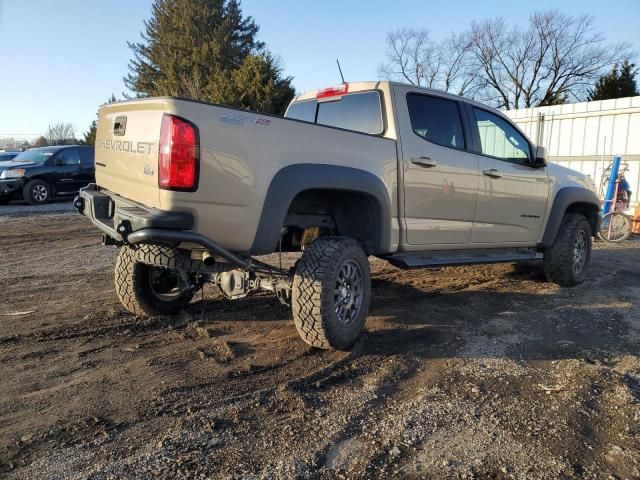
x=208 y=259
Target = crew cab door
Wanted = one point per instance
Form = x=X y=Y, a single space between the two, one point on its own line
x=513 y=194
x=439 y=174
x=66 y=172
x=87 y=172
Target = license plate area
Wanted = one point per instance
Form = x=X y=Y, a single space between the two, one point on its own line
x=103 y=207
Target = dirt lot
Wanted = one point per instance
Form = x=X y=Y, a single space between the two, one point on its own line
x=467 y=372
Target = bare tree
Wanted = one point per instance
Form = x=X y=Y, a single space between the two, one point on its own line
x=458 y=74
x=413 y=56
x=557 y=56
x=410 y=56
x=61 y=133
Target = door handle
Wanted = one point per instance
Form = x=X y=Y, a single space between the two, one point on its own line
x=493 y=173
x=424 y=162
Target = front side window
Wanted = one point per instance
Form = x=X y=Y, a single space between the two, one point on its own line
x=498 y=138
x=436 y=119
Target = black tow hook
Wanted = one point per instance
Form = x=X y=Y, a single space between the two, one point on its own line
x=78 y=203
x=124 y=229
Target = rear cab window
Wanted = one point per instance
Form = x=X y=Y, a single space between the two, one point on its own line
x=358 y=112
x=305 y=110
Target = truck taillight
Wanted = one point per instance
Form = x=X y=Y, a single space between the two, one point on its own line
x=178 y=154
x=337 y=91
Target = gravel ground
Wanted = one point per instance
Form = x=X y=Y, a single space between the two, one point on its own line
x=464 y=372
x=19 y=209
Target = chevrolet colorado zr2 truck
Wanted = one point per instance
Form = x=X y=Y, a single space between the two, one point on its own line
x=192 y=192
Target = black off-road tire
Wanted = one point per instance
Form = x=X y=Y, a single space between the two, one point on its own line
x=559 y=259
x=133 y=287
x=37 y=192
x=313 y=294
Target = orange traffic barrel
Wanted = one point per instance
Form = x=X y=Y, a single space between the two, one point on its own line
x=635 y=228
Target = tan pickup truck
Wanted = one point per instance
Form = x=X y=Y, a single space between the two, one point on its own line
x=192 y=192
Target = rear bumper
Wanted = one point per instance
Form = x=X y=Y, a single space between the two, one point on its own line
x=131 y=223
x=119 y=217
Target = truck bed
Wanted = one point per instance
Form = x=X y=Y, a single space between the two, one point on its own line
x=240 y=153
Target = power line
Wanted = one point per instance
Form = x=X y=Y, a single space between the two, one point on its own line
x=20 y=134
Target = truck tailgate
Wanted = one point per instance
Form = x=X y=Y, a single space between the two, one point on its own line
x=127 y=149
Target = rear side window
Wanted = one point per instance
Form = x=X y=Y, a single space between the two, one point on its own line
x=360 y=112
x=436 y=119
x=303 y=110
x=68 y=156
x=498 y=138
x=86 y=157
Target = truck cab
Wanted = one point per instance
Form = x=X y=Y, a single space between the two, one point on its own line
x=467 y=175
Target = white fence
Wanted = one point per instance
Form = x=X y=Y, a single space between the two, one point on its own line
x=585 y=136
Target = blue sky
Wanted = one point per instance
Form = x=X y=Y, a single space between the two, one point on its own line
x=60 y=59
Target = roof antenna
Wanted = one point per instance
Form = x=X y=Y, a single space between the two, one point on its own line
x=340 y=70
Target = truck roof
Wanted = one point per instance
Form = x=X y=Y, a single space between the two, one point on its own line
x=377 y=84
x=353 y=87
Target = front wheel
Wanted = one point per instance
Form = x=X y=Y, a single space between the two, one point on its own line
x=331 y=292
x=566 y=262
x=146 y=290
x=36 y=192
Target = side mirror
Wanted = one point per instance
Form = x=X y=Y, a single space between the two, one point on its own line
x=541 y=157
x=59 y=161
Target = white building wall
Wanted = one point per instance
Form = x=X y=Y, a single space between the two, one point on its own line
x=585 y=136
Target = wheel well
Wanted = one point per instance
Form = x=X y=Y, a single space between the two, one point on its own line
x=338 y=212
x=589 y=210
x=42 y=179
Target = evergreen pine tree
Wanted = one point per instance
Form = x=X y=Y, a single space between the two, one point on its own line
x=203 y=49
x=90 y=135
x=616 y=84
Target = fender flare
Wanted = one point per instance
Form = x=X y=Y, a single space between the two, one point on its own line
x=292 y=180
x=564 y=199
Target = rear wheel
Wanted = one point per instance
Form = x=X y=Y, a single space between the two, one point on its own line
x=147 y=290
x=331 y=292
x=566 y=262
x=36 y=192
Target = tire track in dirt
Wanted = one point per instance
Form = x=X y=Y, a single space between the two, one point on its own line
x=463 y=372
